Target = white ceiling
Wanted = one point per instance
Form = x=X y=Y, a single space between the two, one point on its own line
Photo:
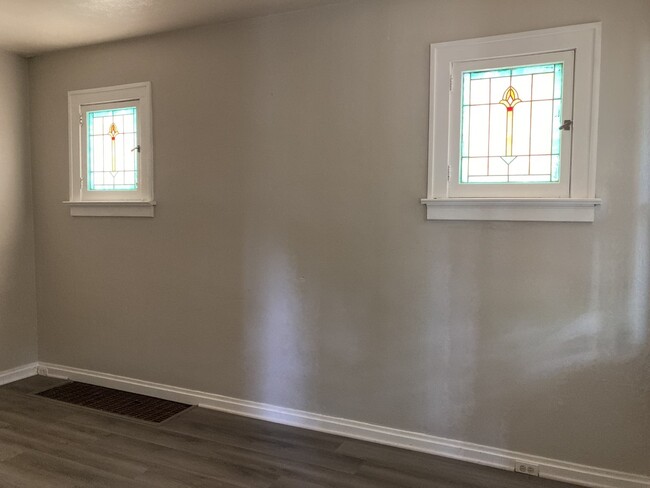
x=30 y=27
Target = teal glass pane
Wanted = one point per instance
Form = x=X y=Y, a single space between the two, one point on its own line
x=557 y=122
x=511 y=118
x=532 y=70
x=559 y=79
x=464 y=150
x=514 y=71
x=555 y=168
x=477 y=75
x=112 y=161
x=464 y=170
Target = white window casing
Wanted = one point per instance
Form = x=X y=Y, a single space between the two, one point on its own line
x=573 y=199
x=133 y=203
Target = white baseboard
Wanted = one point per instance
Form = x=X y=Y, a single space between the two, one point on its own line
x=500 y=458
x=18 y=373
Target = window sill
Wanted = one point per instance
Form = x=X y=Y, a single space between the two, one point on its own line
x=512 y=209
x=111 y=209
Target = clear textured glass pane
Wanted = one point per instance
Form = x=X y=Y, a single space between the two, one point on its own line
x=107 y=121
x=479 y=125
x=498 y=86
x=119 y=151
x=128 y=163
x=487 y=179
x=98 y=178
x=111 y=165
x=478 y=167
x=497 y=167
x=557 y=122
x=543 y=86
x=131 y=178
x=479 y=92
x=523 y=85
x=497 y=129
x=128 y=125
x=541 y=127
x=102 y=155
x=107 y=155
x=540 y=165
x=519 y=166
x=529 y=179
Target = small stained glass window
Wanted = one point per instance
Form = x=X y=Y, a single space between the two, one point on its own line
x=113 y=150
x=510 y=125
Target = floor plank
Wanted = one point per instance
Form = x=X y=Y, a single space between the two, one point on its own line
x=44 y=444
x=34 y=384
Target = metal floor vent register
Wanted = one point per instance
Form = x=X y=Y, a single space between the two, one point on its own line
x=132 y=405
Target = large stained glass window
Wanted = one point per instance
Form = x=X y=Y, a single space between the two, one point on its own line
x=112 y=150
x=510 y=125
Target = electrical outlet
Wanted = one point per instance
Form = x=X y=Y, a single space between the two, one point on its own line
x=526 y=468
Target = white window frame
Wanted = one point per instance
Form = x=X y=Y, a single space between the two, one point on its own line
x=509 y=202
x=137 y=203
x=519 y=190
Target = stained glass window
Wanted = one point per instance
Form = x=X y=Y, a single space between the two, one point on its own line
x=113 y=150
x=510 y=125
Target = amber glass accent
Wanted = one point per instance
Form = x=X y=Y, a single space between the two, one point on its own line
x=509 y=100
x=112 y=131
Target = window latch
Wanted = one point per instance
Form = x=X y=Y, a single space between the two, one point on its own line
x=567 y=125
x=136 y=148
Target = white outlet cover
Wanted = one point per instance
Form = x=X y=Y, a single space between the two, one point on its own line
x=527 y=468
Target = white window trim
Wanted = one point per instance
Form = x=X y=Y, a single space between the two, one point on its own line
x=580 y=205
x=111 y=204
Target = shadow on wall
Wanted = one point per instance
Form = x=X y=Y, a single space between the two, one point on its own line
x=519 y=326
x=17 y=289
x=528 y=340
x=568 y=370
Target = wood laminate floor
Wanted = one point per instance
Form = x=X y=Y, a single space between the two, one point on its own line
x=47 y=444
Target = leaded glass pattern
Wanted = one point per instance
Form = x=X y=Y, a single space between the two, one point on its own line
x=112 y=150
x=510 y=125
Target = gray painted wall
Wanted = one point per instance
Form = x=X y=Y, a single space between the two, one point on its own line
x=290 y=261
x=17 y=279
